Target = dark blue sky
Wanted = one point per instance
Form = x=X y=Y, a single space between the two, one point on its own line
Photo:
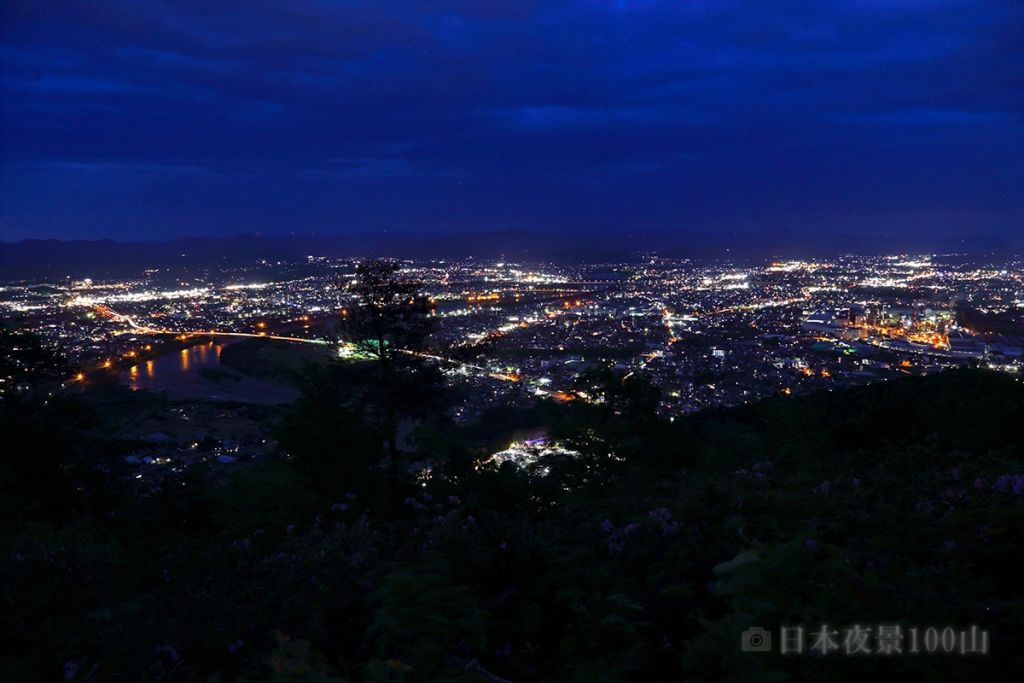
x=147 y=120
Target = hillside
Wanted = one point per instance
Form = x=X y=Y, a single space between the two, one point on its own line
x=642 y=558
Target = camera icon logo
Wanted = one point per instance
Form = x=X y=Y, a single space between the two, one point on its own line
x=756 y=639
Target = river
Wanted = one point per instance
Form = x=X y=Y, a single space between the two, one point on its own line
x=195 y=373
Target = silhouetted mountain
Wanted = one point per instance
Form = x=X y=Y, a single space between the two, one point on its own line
x=80 y=258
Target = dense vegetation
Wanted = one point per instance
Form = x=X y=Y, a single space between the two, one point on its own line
x=267 y=359
x=642 y=560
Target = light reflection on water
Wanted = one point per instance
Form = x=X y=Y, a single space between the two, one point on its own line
x=183 y=375
x=173 y=367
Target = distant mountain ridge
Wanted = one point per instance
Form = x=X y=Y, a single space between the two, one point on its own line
x=53 y=258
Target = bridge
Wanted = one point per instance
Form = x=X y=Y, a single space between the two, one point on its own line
x=110 y=314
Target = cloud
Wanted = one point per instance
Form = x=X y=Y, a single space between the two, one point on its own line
x=933 y=117
x=768 y=103
x=79 y=85
x=554 y=117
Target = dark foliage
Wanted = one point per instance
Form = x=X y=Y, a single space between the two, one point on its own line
x=642 y=559
x=390 y=323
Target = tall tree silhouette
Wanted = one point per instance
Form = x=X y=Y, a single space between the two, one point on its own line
x=389 y=322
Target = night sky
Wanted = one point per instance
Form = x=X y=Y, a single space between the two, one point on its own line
x=152 y=120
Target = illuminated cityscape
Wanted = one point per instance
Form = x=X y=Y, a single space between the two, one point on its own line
x=511 y=341
x=508 y=335
x=707 y=333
